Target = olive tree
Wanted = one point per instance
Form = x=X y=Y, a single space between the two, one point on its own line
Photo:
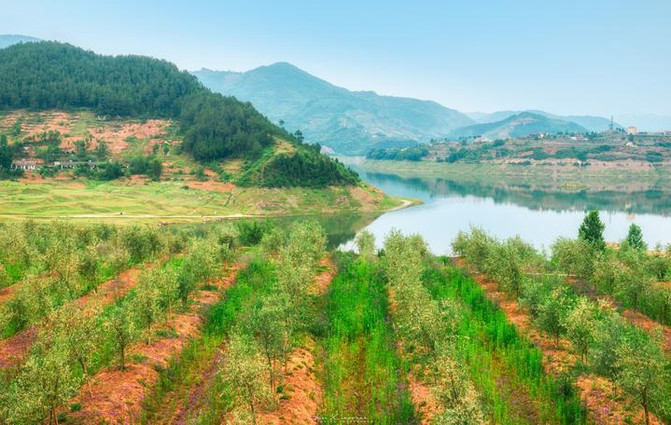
x=456 y=393
x=641 y=372
x=121 y=327
x=243 y=373
x=365 y=243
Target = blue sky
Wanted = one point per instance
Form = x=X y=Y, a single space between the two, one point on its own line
x=568 y=57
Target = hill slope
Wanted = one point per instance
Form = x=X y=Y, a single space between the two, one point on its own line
x=518 y=125
x=48 y=75
x=591 y=123
x=7 y=40
x=348 y=122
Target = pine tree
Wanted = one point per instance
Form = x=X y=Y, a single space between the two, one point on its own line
x=591 y=230
x=635 y=238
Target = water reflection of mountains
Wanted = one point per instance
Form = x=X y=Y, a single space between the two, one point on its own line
x=652 y=201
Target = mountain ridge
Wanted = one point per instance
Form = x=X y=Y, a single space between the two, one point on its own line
x=347 y=121
x=518 y=125
x=7 y=40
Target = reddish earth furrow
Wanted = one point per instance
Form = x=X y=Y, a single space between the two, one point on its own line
x=600 y=397
x=300 y=381
x=423 y=399
x=196 y=399
x=635 y=317
x=14 y=350
x=116 y=396
x=649 y=326
x=7 y=292
x=303 y=389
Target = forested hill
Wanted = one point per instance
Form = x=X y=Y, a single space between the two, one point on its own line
x=49 y=75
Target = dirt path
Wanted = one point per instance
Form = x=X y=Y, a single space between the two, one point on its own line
x=116 y=396
x=301 y=384
x=7 y=292
x=14 y=349
x=195 y=400
x=604 y=403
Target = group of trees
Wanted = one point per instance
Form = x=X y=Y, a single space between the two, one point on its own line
x=599 y=335
x=76 y=340
x=305 y=168
x=59 y=263
x=427 y=329
x=629 y=273
x=6 y=160
x=415 y=153
x=267 y=323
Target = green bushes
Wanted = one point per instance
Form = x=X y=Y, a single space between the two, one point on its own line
x=63 y=262
x=599 y=335
x=427 y=330
x=263 y=315
x=493 y=351
x=73 y=342
x=306 y=169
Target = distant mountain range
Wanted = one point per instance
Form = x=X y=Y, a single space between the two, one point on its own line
x=590 y=123
x=354 y=122
x=346 y=121
x=7 y=40
x=518 y=125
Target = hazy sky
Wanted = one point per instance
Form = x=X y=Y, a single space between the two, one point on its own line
x=564 y=56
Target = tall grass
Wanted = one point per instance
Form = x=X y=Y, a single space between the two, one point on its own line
x=489 y=343
x=363 y=375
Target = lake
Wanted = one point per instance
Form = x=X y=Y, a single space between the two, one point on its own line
x=538 y=216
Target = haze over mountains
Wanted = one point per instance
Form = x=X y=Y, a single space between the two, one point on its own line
x=352 y=122
x=7 y=40
x=346 y=121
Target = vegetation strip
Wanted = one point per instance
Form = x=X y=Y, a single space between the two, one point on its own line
x=76 y=346
x=364 y=379
x=118 y=394
x=595 y=344
x=492 y=347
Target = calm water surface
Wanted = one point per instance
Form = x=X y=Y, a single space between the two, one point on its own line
x=537 y=216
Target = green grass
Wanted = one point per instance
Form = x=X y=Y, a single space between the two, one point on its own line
x=363 y=375
x=169 y=200
x=502 y=364
x=183 y=372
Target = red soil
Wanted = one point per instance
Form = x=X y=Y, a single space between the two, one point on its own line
x=211 y=186
x=423 y=399
x=303 y=389
x=117 y=395
x=603 y=402
x=7 y=293
x=300 y=380
x=649 y=326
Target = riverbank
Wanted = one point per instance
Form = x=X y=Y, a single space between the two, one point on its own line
x=179 y=202
x=622 y=177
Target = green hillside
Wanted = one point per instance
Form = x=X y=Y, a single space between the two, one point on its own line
x=348 y=122
x=54 y=76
